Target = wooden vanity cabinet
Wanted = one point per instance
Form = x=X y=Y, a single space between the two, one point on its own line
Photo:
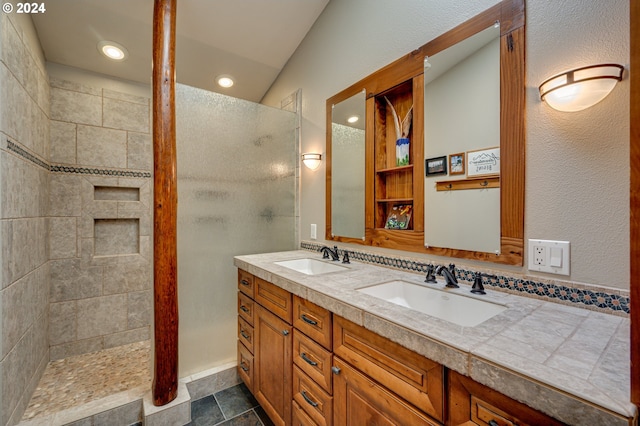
x=309 y=367
x=471 y=403
x=265 y=343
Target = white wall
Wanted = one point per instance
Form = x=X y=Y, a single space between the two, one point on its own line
x=577 y=184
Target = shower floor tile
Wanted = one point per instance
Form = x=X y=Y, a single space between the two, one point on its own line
x=78 y=380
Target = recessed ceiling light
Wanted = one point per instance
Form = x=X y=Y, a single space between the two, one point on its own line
x=353 y=119
x=113 y=50
x=224 y=80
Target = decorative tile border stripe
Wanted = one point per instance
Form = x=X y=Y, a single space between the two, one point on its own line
x=101 y=172
x=27 y=155
x=594 y=299
x=70 y=169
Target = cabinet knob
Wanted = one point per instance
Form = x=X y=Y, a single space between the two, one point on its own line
x=285 y=332
x=244 y=334
x=244 y=282
x=244 y=309
x=335 y=370
x=244 y=366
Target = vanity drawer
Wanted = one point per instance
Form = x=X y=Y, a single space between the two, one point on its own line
x=275 y=299
x=413 y=377
x=299 y=417
x=245 y=307
x=313 y=359
x=471 y=403
x=312 y=320
x=312 y=399
x=245 y=283
x=245 y=366
x=245 y=334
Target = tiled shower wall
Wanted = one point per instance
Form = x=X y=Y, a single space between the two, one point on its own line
x=24 y=200
x=100 y=225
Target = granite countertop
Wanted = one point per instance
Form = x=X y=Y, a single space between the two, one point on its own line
x=568 y=362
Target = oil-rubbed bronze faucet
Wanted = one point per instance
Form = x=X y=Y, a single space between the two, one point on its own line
x=326 y=252
x=449 y=276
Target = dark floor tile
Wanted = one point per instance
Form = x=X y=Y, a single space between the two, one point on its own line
x=205 y=412
x=248 y=418
x=266 y=421
x=235 y=400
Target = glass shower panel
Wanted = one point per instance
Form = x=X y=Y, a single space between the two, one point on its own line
x=236 y=195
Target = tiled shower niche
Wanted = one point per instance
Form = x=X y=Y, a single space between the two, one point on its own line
x=116 y=236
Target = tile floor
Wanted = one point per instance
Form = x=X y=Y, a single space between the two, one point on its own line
x=234 y=406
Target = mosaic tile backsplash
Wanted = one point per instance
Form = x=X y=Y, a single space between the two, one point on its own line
x=611 y=301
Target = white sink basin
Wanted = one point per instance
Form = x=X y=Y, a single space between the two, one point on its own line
x=311 y=266
x=455 y=308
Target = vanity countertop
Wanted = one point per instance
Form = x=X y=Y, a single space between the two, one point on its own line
x=568 y=362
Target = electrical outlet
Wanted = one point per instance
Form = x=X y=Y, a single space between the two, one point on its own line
x=539 y=255
x=549 y=256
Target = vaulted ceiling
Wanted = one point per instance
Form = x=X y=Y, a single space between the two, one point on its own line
x=250 y=40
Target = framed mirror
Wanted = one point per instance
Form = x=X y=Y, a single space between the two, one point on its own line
x=348 y=164
x=462 y=126
x=404 y=81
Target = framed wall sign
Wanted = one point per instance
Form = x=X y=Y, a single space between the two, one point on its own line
x=436 y=166
x=483 y=162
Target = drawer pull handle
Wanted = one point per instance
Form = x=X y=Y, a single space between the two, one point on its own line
x=285 y=332
x=244 y=367
x=244 y=282
x=245 y=309
x=308 y=320
x=307 y=359
x=335 y=370
x=310 y=401
x=493 y=423
x=244 y=334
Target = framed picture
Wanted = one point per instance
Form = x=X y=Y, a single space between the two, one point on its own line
x=483 y=162
x=436 y=166
x=456 y=164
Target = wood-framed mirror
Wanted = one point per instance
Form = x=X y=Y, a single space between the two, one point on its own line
x=391 y=188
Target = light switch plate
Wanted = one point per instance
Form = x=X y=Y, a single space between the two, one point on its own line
x=549 y=256
x=313 y=233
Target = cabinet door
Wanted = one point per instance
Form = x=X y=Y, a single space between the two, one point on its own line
x=471 y=403
x=272 y=365
x=405 y=373
x=358 y=401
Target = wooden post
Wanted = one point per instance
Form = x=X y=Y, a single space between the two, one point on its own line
x=165 y=202
x=635 y=200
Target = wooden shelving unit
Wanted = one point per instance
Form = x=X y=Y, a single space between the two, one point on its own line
x=395 y=185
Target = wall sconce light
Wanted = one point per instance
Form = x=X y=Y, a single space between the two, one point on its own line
x=580 y=88
x=311 y=160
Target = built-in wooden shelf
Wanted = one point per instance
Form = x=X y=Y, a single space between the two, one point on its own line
x=399 y=169
x=472 y=183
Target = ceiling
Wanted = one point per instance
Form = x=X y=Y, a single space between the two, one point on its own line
x=250 y=40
